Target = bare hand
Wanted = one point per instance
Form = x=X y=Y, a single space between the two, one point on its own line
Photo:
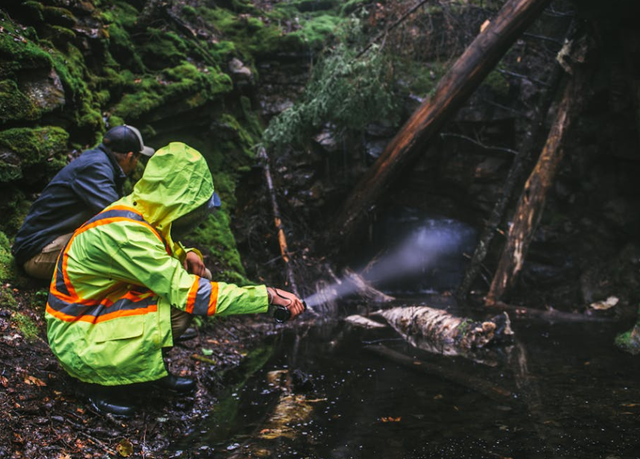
x=286 y=299
x=194 y=264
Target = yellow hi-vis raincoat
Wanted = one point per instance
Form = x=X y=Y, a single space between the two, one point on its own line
x=109 y=307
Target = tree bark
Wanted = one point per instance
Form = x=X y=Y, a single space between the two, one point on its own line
x=282 y=239
x=516 y=172
x=454 y=88
x=531 y=204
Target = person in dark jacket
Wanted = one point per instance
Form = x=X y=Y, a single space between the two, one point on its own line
x=78 y=192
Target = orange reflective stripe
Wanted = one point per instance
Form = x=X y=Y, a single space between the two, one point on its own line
x=193 y=292
x=73 y=296
x=104 y=317
x=213 y=299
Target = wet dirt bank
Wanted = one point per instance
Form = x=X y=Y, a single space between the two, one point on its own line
x=46 y=415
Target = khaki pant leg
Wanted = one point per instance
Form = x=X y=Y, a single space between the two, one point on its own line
x=180 y=321
x=43 y=265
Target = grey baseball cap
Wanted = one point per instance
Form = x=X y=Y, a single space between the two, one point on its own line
x=123 y=139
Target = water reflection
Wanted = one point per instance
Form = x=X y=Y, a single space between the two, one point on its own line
x=573 y=396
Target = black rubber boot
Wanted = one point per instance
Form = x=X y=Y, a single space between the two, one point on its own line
x=176 y=383
x=188 y=334
x=110 y=400
x=106 y=405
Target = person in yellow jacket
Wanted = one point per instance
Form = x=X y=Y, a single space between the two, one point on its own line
x=120 y=290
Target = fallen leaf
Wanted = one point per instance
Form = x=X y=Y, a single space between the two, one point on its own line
x=33 y=381
x=124 y=448
x=391 y=419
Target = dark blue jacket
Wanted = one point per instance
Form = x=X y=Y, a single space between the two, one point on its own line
x=79 y=191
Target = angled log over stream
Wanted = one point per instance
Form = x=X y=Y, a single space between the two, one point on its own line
x=531 y=204
x=454 y=88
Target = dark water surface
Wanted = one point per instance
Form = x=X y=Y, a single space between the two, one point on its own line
x=573 y=395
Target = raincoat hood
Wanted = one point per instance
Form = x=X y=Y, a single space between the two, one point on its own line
x=175 y=182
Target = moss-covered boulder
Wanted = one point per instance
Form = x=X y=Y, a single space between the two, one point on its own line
x=33 y=155
x=7 y=263
x=629 y=341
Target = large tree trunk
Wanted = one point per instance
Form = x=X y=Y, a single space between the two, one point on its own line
x=453 y=90
x=531 y=204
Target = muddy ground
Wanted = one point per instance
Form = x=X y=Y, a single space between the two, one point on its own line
x=45 y=414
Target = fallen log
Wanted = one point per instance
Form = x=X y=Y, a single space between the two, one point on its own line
x=481 y=386
x=454 y=88
x=363 y=322
x=364 y=289
x=425 y=325
x=551 y=315
x=532 y=200
x=516 y=172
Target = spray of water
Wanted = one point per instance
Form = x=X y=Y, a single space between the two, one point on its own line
x=425 y=248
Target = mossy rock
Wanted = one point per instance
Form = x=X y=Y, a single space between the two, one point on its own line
x=215 y=237
x=17 y=51
x=14 y=105
x=629 y=341
x=177 y=90
x=32 y=154
x=316 y=32
x=59 y=16
x=162 y=49
x=7 y=263
x=314 y=5
x=60 y=36
x=14 y=207
x=35 y=10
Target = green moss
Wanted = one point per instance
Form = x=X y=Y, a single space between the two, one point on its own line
x=316 y=31
x=162 y=49
x=420 y=78
x=59 y=16
x=26 y=325
x=314 y=5
x=14 y=105
x=189 y=12
x=629 y=341
x=14 y=208
x=40 y=153
x=185 y=86
x=7 y=263
x=36 y=10
x=17 y=51
x=7 y=299
x=352 y=5
x=497 y=83
x=59 y=35
x=215 y=236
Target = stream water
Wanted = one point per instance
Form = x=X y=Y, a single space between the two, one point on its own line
x=566 y=392
x=573 y=395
